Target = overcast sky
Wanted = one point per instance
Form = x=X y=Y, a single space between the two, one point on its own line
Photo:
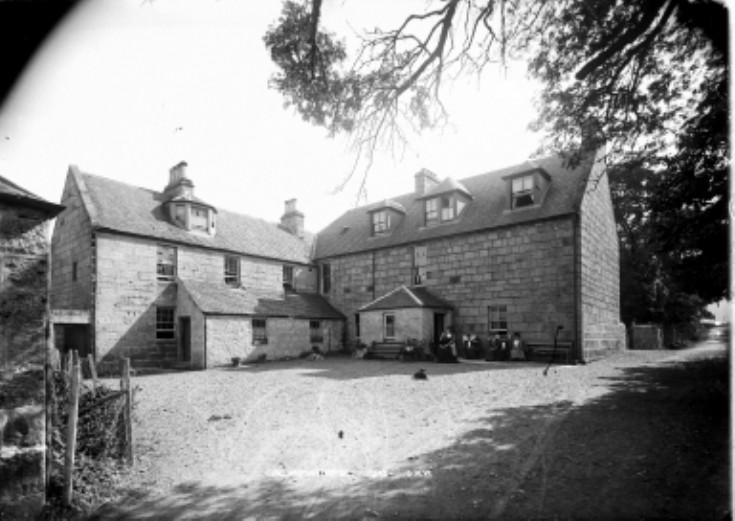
x=127 y=88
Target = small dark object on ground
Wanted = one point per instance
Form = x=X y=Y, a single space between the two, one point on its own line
x=341 y=435
x=420 y=375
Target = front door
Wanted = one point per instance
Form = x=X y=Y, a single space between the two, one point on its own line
x=438 y=326
x=185 y=338
x=76 y=338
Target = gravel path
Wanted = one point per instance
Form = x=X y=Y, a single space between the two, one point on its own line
x=356 y=439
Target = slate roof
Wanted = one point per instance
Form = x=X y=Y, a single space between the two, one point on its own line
x=125 y=208
x=351 y=233
x=445 y=187
x=217 y=298
x=405 y=297
x=13 y=193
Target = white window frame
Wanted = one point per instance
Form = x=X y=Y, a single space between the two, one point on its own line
x=315 y=331
x=196 y=223
x=389 y=326
x=523 y=187
x=165 y=328
x=288 y=276
x=432 y=210
x=381 y=222
x=162 y=267
x=497 y=317
x=232 y=276
x=260 y=331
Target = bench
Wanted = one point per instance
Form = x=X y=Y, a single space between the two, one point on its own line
x=386 y=349
x=544 y=351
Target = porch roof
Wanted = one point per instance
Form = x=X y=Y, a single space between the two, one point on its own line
x=217 y=298
x=405 y=297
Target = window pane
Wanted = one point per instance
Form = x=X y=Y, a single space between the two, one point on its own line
x=166 y=265
x=432 y=210
x=198 y=219
x=259 y=331
x=288 y=275
x=165 y=323
x=390 y=326
x=232 y=269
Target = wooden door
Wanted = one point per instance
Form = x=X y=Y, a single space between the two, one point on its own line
x=185 y=339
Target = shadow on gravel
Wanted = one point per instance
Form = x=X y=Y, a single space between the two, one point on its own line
x=655 y=446
x=351 y=369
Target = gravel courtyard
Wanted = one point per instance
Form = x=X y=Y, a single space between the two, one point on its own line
x=641 y=434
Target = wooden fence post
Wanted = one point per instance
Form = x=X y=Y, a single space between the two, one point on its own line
x=50 y=406
x=71 y=427
x=93 y=371
x=128 y=410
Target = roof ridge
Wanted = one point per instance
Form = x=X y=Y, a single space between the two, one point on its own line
x=383 y=297
x=78 y=176
x=413 y=295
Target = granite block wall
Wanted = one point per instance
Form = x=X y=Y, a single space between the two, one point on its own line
x=231 y=336
x=527 y=268
x=73 y=249
x=599 y=267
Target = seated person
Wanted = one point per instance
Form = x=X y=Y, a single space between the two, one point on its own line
x=447 y=350
x=517 y=348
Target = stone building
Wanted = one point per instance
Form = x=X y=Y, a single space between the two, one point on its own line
x=170 y=280
x=24 y=251
x=523 y=249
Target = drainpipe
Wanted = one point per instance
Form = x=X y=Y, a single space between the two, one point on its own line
x=373 y=272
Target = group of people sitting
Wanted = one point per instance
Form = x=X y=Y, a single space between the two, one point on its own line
x=500 y=348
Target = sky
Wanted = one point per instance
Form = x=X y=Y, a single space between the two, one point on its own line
x=126 y=89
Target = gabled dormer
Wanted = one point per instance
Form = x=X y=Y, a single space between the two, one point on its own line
x=445 y=202
x=527 y=188
x=385 y=217
x=184 y=208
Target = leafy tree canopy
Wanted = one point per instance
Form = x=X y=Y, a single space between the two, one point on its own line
x=647 y=78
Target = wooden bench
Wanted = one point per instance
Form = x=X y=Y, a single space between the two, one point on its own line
x=386 y=349
x=544 y=351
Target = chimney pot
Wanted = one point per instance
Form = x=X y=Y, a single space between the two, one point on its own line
x=425 y=181
x=292 y=219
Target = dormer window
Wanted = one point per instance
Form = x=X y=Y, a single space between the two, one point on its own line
x=523 y=191
x=444 y=208
x=385 y=217
x=432 y=211
x=527 y=188
x=381 y=222
x=180 y=214
x=445 y=202
x=199 y=219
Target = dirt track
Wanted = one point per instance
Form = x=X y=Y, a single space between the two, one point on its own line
x=633 y=436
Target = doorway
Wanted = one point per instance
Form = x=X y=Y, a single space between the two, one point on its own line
x=76 y=338
x=185 y=339
x=438 y=326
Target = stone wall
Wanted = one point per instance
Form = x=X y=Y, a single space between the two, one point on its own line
x=602 y=331
x=410 y=323
x=232 y=336
x=72 y=244
x=23 y=315
x=646 y=337
x=128 y=292
x=528 y=268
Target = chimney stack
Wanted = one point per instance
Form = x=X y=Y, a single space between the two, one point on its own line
x=292 y=220
x=178 y=184
x=425 y=181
